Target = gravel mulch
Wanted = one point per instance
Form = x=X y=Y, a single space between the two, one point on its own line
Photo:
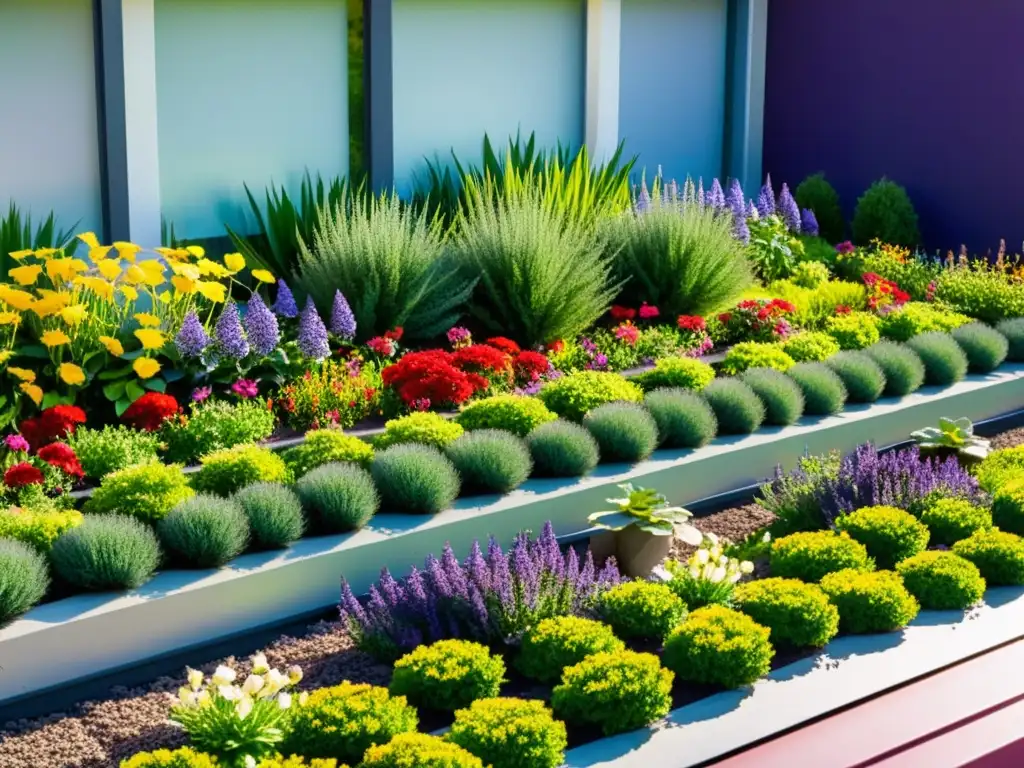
x=734 y=524
x=1009 y=439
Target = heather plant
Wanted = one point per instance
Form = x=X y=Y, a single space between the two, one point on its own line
x=817 y=194
x=682 y=372
x=738 y=410
x=24 y=578
x=795 y=497
x=338 y=497
x=560 y=642
x=797 y=614
x=106 y=552
x=215 y=425
x=782 y=398
x=916 y=318
x=709 y=575
x=861 y=375
x=562 y=449
x=942 y=581
x=493 y=597
x=38 y=528
x=870 y=601
x=101 y=451
x=510 y=733
x=274 y=513
x=952 y=520
x=623 y=431
x=754 y=354
x=1013 y=330
x=490 y=461
x=885 y=213
x=517 y=414
x=824 y=392
x=684 y=419
x=944 y=362
x=998 y=555
x=890 y=534
x=230 y=470
x=853 y=330
x=641 y=610
x=327 y=446
x=146 y=491
x=448 y=674
x=410 y=750
x=204 y=531
x=809 y=556
x=424 y=428
x=719 y=646
x=415 y=478
x=985 y=347
x=904 y=372
x=572 y=396
x=810 y=347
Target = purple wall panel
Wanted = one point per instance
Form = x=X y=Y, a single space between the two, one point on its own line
x=927 y=92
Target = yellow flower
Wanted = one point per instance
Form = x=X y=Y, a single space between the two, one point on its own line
x=54 y=338
x=50 y=304
x=97 y=285
x=45 y=253
x=26 y=275
x=6 y=355
x=151 y=339
x=64 y=269
x=20 y=300
x=146 y=320
x=191 y=271
x=183 y=284
x=196 y=250
x=34 y=391
x=153 y=271
x=129 y=293
x=146 y=367
x=19 y=255
x=9 y=318
x=89 y=238
x=71 y=374
x=22 y=373
x=211 y=268
x=74 y=314
x=109 y=268
x=99 y=253
x=134 y=275
x=212 y=291
x=127 y=251
x=235 y=262
x=165 y=297
x=263 y=275
x=113 y=345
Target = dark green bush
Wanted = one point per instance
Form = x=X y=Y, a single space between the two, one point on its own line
x=327 y=446
x=738 y=410
x=102 y=451
x=562 y=449
x=818 y=195
x=205 y=531
x=415 y=478
x=942 y=581
x=903 y=369
x=944 y=361
x=418 y=750
x=719 y=646
x=890 y=534
x=810 y=347
x=782 y=397
x=684 y=419
x=510 y=733
x=490 y=461
x=998 y=555
x=24 y=578
x=681 y=372
x=448 y=675
x=824 y=392
x=556 y=643
x=755 y=354
x=641 y=610
x=274 y=513
x=146 y=492
x=951 y=520
x=870 y=601
x=572 y=396
x=215 y=426
x=810 y=555
x=230 y=470
x=518 y=414
x=340 y=497
x=623 y=431
x=985 y=347
x=1013 y=330
x=424 y=428
x=797 y=614
x=861 y=375
x=885 y=213
x=1008 y=507
x=106 y=552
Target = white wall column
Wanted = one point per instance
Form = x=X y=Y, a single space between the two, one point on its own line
x=603 y=50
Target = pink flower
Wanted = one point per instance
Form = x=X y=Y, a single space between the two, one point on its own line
x=459 y=337
x=382 y=345
x=201 y=393
x=422 y=404
x=16 y=443
x=245 y=388
x=628 y=333
x=647 y=311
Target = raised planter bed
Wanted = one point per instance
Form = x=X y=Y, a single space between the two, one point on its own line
x=90 y=635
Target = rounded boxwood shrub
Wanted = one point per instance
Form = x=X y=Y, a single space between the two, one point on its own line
x=102 y=451
x=817 y=194
x=870 y=601
x=1013 y=331
x=205 y=531
x=681 y=372
x=448 y=674
x=510 y=733
x=919 y=317
x=227 y=471
x=517 y=414
x=490 y=461
x=562 y=449
x=1000 y=467
x=146 y=492
x=885 y=213
x=24 y=578
x=824 y=392
x=556 y=643
x=641 y=610
x=327 y=446
x=811 y=274
x=903 y=369
x=810 y=347
x=574 y=395
x=998 y=555
x=419 y=750
x=274 y=512
x=345 y=720
x=37 y=528
x=889 y=534
x=415 y=478
x=294 y=761
x=985 y=347
x=854 y=330
x=719 y=646
x=623 y=431
x=617 y=692
x=423 y=427
x=1008 y=506
x=185 y=757
x=942 y=581
x=861 y=375
x=782 y=398
x=810 y=555
x=754 y=354
x=106 y=552
x=944 y=362
x=340 y=497
x=684 y=419
x=797 y=614
x=951 y=520
x=738 y=410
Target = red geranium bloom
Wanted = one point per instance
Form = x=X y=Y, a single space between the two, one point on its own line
x=507 y=346
x=647 y=311
x=52 y=424
x=530 y=365
x=693 y=323
x=63 y=457
x=556 y=346
x=622 y=313
x=22 y=474
x=430 y=375
x=395 y=334
x=628 y=333
x=150 y=411
x=481 y=356
x=382 y=345
x=725 y=317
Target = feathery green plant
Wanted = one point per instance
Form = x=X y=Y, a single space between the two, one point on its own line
x=17 y=234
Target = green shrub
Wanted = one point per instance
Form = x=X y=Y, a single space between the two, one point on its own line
x=562 y=449
x=1008 y=506
x=890 y=534
x=854 y=330
x=1013 y=331
x=809 y=274
x=998 y=555
x=490 y=461
x=618 y=692
x=862 y=376
x=944 y=361
x=810 y=347
x=942 y=581
x=418 y=750
x=684 y=419
x=885 y=213
x=230 y=470
x=814 y=306
x=682 y=372
x=623 y=431
x=719 y=646
x=683 y=261
x=818 y=195
x=274 y=513
x=641 y=610
x=754 y=354
x=903 y=369
x=810 y=555
x=215 y=426
x=24 y=578
x=37 y=528
x=448 y=674
x=510 y=733
x=517 y=414
x=870 y=601
x=556 y=643
x=980 y=291
x=1000 y=467
x=797 y=614
x=106 y=552
x=823 y=390
x=299 y=762
x=146 y=491
x=738 y=410
x=573 y=396
x=204 y=531
x=423 y=427
x=345 y=720
x=782 y=398
x=340 y=497
x=415 y=478
x=102 y=451
x=985 y=347
x=165 y=758
x=916 y=318
x=951 y=520
x=327 y=446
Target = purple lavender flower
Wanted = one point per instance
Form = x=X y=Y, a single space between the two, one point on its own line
x=701 y=196
x=343 y=322
x=716 y=197
x=809 y=223
x=231 y=341
x=789 y=210
x=261 y=327
x=476 y=568
x=191 y=339
x=285 y=305
x=738 y=207
x=312 y=333
x=752 y=211
x=766 y=199
x=643 y=198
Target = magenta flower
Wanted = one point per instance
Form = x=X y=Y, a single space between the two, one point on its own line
x=459 y=336
x=201 y=393
x=245 y=388
x=16 y=443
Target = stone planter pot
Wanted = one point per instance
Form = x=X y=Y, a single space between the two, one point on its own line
x=637 y=552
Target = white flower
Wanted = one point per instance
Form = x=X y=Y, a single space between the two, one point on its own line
x=284 y=700
x=224 y=676
x=711 y=538
x=294 y=674
x=746 y=567
x=243 y=707
x=694 y=572
x=259 y=664
x=302 y=698
x=708 y=572
x=229 y=692
x=252 y=684
x=250 y=761
x=718 y=574
x=195 y=678
x=273 y=683
x=723 y=560
x=186 y=696
x=702 y=556
x=767 y=537
x=202 y=698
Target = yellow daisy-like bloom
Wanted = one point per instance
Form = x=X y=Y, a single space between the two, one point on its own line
x=263 y=275
x=146 y=367
x=196 y=250
x=22 y=373
x=90 y=239
x=235 y=262
x=147 y=320
x=71 y=374
x=127 y=251
x=212 y=291
x=113 y=346
x=109 y=268
x=34 y=391
x=129 y=293
x=153 y=271
x=20 y=300
x=26 y=275
x=9 y=318
x=50 y=304
x=151 y=339
x=191 y=271
x=183 y=285
x=45 y=253
x=99 y=253
x=54 y=338
x=64 y=270
x=19 y=255
x=209 y=268
x=134 y=275
x=74 y=314
x=165 y=297
x=97 y=285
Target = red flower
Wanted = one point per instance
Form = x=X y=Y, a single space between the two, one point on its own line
x=647 y=311
x=150 y=411
x=725 y=317
x=556 y=346
x=622 y=313
x=628 y=333
x=62 y=456
x=530 y=365
x=431 y=375
x=842 y=309
x=481 y=356
x=395 y=334
x=22 y=474
x=694 y=323
x=382 y=345
x=507 y=346
x=52 y=424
